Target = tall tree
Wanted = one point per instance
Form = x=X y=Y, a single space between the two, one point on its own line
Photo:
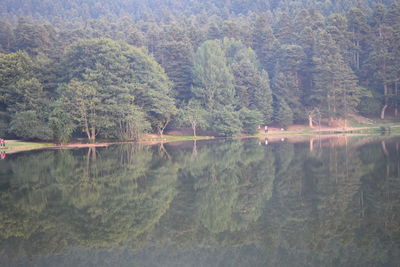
x=120 y=82
x=264 y=42
x=359 y=30
x=212 y=76
x=380 y=60
x=251 y=82
x=287 y=81
x=336 y=92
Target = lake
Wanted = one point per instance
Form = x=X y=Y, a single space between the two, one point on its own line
x=313 y=202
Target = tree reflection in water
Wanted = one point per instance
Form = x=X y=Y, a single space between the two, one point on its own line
x=329 y=202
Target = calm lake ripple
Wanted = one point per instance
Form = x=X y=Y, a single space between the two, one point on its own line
x=314 y=202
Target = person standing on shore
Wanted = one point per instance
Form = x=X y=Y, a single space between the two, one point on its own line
x=266 y=128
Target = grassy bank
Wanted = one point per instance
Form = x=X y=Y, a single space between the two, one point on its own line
x=382 y=128
x=13 y=146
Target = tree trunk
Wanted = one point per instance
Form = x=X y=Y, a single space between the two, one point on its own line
x=383 y=111
x=310 y=121
x=163 y=127
x=93 y=134
x=194 y=124
x=385 y=92
x=87 y=129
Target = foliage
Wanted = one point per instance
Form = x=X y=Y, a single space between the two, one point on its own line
x=251 y=120
x=212 y=76
x=369 y=106
x=225 y=122
x=283 y=114
x=27 y=125
x=136 y=62
x=193 y=115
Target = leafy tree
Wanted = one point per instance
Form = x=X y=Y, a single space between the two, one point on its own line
x=251 y=120
x=194 y=115
x=212 y=76
x=116 y=84
x=28 y=37
x=82 y=101
x=225 y=122
x=27 y=125
x=251 y=82
x=22 y=96
x=61 y=122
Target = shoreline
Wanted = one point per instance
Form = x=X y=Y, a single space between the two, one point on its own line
x=15 y=146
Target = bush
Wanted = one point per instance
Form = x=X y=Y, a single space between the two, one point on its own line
x=283 y=115
x=225 y=122
x=28 y=126
x=369 y=106
x=250 y=120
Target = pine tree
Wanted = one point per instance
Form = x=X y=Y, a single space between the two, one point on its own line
x=335 y=91
x=381 y=59
x=251 y=82
x=283 y=115
x=287 y=80
x=264 y=42
x=359 y=30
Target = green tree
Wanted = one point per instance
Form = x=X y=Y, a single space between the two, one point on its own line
x=82 y=101
x=252 y=88
x=336 y=92
x=287 y=81
x=119 y=87
x=29 y=126
x=225 y=122
x=251 y=120
x=195 y=115
x=264 y=42
x=359 y=29
x=283 y=115
x=22 y=96
x=212 y=76
x=28 y=37
x=381 y=60
x=6 y=37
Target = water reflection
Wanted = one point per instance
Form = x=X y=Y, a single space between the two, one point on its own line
x=330 y=202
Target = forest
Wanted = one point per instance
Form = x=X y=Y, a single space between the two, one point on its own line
x=121 y=69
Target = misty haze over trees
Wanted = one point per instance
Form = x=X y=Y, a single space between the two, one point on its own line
x=119 y=69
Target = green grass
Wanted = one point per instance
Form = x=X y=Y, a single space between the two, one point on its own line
x=16 y=146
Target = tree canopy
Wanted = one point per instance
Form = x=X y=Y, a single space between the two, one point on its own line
x=118 y=69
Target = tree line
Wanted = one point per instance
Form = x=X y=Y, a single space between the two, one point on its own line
x=219 y=67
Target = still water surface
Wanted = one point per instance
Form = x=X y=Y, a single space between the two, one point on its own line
x=333 y=202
